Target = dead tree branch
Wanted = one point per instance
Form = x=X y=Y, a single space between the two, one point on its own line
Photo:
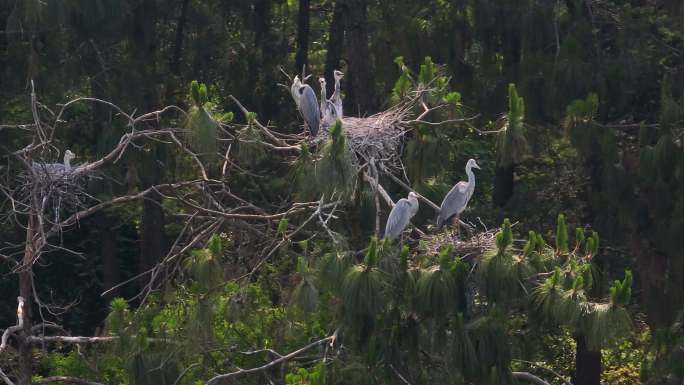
x=273 y=363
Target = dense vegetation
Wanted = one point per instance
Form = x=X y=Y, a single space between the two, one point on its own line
x=224 y=244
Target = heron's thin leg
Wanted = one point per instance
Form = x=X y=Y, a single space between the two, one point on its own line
x=456 y=223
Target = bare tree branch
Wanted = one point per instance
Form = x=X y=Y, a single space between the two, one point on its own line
x=275 y=362
x=67 y=379
x=529 y=377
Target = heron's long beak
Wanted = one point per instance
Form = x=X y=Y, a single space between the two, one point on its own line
x=476 y=166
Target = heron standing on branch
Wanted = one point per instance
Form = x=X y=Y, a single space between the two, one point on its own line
x=401 y=215
x=308 y=106
x=294 y=89
x=457 y=199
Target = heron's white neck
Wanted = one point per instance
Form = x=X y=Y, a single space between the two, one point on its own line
x=337 y=86
x=323 y=95
x=471 y=177
x=414 y=204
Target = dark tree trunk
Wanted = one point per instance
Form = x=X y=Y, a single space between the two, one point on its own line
x=178 y=43
x=503 y=185
x=26 y=291
x=302 y=57
x=587 y=364
x=335 y=46
x=110 y=261
x=361 y=87
x=144 y=39
x=264 y=60
x=152 y=238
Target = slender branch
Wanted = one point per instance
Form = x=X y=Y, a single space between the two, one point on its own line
x=280 y=143
x=13 y=329
x=67 y=379
x=566 y=382
x=529 y=377
x=70 y=340
x=275 y=362
x=5 y=378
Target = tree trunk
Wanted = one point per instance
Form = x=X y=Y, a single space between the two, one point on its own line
x=152 y=236
x=178 y=43
x=587 y=363
x=144 y=41
x=333 y=56
x=26 y=291
x=301 y=58
x=360 y=98
x=110 y=261
x=264 y=60
x=503 y=185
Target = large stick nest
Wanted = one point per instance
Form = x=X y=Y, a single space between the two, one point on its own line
x=379 y=136
x=474 y=244
x=55 y=191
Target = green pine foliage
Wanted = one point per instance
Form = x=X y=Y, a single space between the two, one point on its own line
x=512 y=144
x=561 y=235
x=334 y=170
x=250 y=149
x=200 y=123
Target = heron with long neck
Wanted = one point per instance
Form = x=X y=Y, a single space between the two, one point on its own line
x=308 y=107
x=55 y=169
x=294 y=89
x=457 y=198
x=336 y=97
x=328 y=112
x=401 y=215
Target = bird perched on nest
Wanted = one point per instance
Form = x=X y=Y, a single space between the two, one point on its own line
x=336 y=97
x=457 y=198
x=328 y=110
x=307 y=104
x=294 y=89
x=401 y=215
x=55 y=169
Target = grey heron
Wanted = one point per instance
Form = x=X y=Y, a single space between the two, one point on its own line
x=457 y=198
x=308 y=106
x=55 y=169
x=294 y=89
x=336 y=97
x=401 y=214
x=328 y=111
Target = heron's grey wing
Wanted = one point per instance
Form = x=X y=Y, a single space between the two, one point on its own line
x=398 y=218
x=454 y=203
x=330 y=113
x=309 y=109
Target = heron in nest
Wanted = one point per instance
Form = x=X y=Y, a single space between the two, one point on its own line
x=457 y=198
x=328 y=110
x=401 y=215
x=336 y=97
x=308 y=106
x=294 y=89
x=55 y=169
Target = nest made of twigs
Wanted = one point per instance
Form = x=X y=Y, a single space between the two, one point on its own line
x=378 y=136
x=53 y=192
x=468 y=245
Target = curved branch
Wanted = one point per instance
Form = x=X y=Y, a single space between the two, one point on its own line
x=529 y=377
x=275 y=362
x=67 y=379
